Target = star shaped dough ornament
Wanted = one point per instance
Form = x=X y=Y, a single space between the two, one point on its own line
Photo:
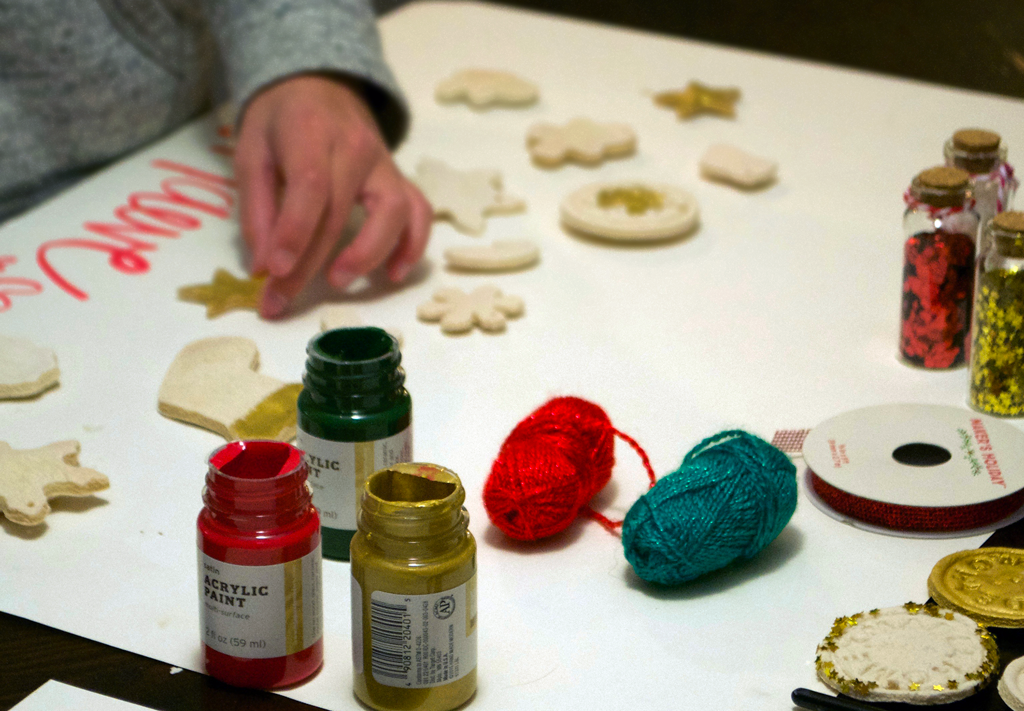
x=465 y=197
x=458 y=311
x=30 y=477
x=225 y=293
x=483 y=88
x=698 y=98
x=581 y=140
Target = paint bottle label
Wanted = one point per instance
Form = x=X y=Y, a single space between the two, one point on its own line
x=417 y=641
x=261 y=611
x=337 y=471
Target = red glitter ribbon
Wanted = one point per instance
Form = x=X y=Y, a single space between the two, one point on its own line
x=929 y=519
x=1007 y=183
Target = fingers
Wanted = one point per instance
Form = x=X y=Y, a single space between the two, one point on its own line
x=254 y=168
x=307 y=243
x=413 y=241
x=388 y=213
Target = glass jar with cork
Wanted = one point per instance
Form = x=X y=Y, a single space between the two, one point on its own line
x=939 y=226
x=982 y=154
x=997 y=350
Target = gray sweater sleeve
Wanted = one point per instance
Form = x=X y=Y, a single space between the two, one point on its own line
x=264 y=41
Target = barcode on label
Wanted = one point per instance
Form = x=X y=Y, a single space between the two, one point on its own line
x=390 y=648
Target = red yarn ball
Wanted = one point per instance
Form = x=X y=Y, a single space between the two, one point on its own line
x=549 y=467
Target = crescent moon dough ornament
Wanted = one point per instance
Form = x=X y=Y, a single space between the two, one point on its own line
x=916 y=654
x=630 y=211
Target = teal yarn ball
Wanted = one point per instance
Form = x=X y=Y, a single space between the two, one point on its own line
x=731 y=496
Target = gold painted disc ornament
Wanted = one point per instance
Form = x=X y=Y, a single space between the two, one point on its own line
x=916 y=654
x=630 y=211
x=986 y=584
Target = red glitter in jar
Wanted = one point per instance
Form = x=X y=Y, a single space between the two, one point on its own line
x=261 y=618
x=938 y=288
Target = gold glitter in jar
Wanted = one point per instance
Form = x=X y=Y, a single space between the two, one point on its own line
x=636 y=199
x=997 y=351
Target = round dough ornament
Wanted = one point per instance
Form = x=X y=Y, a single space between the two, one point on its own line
x=630 y=211
x=986 y=584
x=916 y=654
x=1011 y=685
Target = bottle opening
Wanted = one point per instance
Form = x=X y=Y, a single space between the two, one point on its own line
x=256 y=459
x=399 y=487
x=354 y=344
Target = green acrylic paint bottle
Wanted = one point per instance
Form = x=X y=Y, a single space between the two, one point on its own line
x=355 y=417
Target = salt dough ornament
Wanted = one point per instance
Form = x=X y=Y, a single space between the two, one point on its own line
x=630 y=211
x=1011 y=685
x=25 y=368
x=30 y=477
x=697 y=98
x=213 y=383
x=465 y=197
x=733 y=165
x=917 y=654
x=483 y=88
x=581 y=140
x=347 y=317
x=225 y=293
x=458 y=311
x=500 y=256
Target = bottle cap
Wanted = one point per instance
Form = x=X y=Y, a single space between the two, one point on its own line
x=976 y=140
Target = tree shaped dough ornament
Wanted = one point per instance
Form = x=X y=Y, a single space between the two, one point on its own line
x=465 y=197
x=458 y=311
x=697 y=98
x=30 y=477
x=225 y=293
x=25 y=368
x=483 y=88
x=213 y=383
x=581 y=140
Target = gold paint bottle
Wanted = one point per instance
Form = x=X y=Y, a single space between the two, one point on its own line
x=414 y=591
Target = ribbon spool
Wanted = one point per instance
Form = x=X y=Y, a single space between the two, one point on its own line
x=917 y=469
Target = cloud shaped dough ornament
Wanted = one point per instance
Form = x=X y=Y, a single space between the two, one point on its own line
x=482 y=88
x=465 y=197
x=581 y=140
x=213 y=383
x=25 y=368
x=630 y=211
x=458 y=311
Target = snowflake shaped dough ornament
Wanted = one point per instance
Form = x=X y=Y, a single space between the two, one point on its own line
x=30 y=477
x=482 y=88
x=465 y=197
x=581 y=140
x=458 y=311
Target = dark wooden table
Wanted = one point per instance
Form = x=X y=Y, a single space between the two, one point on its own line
x=976 y=46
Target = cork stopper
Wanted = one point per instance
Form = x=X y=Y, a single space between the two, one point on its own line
x=976 y=140
x=1012 y=221
x=941 y=186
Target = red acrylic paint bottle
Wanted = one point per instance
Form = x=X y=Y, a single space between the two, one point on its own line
x=260 y=602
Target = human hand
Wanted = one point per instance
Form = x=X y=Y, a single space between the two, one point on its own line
x=308 y=151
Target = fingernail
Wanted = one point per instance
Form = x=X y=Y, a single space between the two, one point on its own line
x=274 y=304
x=341 y=278
x=282 y=262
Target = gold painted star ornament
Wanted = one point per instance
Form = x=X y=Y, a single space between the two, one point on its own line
x=699 y=98
x=225 y=293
